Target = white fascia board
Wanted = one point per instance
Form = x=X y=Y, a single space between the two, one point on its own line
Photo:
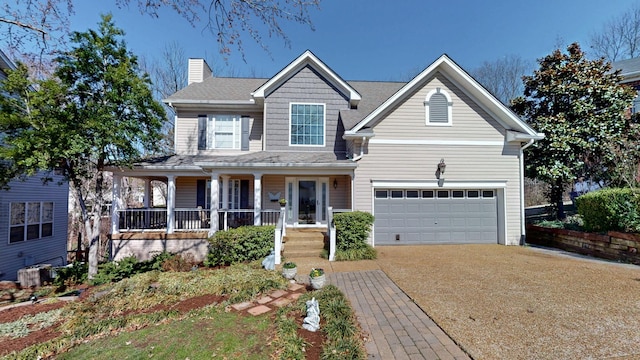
x=433 y=184
x=208 y=102
x=454 y=72
x=522 y=137
x=307 y=58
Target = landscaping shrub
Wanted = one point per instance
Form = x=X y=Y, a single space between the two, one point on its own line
x=610 y=209
x=71 y=275
x=353 y=230
x=115 y=271
x=246 y=243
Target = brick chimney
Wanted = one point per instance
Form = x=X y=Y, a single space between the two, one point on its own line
x=198 y=71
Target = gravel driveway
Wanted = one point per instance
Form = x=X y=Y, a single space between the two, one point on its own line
x=507 y=302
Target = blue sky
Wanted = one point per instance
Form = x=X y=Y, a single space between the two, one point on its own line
x=379 y=40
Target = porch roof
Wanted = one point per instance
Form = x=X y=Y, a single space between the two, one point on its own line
x=254 y=160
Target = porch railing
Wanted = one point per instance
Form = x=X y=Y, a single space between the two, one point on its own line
x=191 y=219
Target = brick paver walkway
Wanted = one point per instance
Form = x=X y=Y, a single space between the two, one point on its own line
x=397 y=327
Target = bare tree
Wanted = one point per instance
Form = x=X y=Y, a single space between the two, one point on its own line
x=44 y=24
x=619 y=38
x=503 y=77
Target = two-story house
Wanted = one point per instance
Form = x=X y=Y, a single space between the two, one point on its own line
x=436 y=160
x=33 y=217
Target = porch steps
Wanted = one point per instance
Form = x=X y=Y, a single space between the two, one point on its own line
x=303 y=243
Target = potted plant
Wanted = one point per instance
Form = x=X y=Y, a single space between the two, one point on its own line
x=317 y=278
x=289 y=270
x=283 y=202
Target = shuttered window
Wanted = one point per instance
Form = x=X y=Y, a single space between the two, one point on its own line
x=223 y=132
x=438 y=108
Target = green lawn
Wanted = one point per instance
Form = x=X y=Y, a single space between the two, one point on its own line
x=207 y=334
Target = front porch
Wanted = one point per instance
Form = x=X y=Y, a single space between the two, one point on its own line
x=220 y=202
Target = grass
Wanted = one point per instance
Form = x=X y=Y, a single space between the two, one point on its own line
x=205 y=334
x=118 y=321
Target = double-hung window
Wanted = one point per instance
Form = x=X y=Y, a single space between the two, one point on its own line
x=30 y=220
x=222 y=132
x=307 y=124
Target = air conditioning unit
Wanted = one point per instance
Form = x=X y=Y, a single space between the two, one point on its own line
x=36 y=275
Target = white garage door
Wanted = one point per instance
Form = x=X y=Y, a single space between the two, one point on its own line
x=435 y=216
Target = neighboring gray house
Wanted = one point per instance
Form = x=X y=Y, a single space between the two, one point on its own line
x=437 y=159
x=33 y=219
x=630 y=71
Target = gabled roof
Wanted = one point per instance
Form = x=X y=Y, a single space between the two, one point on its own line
x=6 y=63
x=630 y=69
x=455 y=73
x=307 y=59
x=217 y=91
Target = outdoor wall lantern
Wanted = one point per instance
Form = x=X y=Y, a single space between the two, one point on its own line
x=441 y=168
x=335 y=183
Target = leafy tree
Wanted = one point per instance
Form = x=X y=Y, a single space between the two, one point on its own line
x=581 y=108
x=96 y=111
x=503 y=77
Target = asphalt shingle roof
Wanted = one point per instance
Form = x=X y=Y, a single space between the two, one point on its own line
x=373 y=94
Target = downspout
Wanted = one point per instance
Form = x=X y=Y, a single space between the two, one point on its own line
x=523 y=232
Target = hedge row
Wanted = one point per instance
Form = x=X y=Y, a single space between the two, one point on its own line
x=610 y=209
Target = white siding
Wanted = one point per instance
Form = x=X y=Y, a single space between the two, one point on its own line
x=187 y=133
x=472 y=149
x=50 y=250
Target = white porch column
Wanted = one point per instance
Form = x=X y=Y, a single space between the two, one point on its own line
x=257 y=198
x=171 y=203
x=225 y=191
x=215 y=203
x=115 y=204
x=147 y=193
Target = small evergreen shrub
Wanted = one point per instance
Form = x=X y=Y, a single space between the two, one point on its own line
x=610 y=209
x=115 y=271
x=246 y=243
x=353 y=230
x=71 y=275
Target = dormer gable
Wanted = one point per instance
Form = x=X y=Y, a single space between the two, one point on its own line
x=452 y=71
x=307 y=59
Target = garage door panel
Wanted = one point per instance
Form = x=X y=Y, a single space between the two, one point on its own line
x=435 y=220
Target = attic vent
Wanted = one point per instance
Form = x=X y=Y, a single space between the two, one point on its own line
x=438 y=108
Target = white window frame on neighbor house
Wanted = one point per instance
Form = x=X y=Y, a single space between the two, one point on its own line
x=34 y=218
x=428 y=108
x=291 y=124
x=215 y=130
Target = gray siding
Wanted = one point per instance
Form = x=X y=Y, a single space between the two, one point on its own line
x=50 y=250
x=307 y=86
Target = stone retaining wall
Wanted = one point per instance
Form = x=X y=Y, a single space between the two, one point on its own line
x=613 y=245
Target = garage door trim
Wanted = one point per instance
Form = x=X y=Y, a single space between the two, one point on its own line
x=498 y=185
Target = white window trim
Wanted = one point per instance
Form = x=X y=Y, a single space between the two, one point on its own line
x=236 y=132
x=234 y=194
x=324 y=124
x=26 y=223
x=449 y=107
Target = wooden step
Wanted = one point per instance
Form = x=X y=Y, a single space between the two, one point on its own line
x=303 y=243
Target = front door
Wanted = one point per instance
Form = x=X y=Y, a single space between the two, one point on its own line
x=309 y=200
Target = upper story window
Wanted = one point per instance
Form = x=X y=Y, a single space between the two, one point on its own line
x=223 y=132
x=307 y=124
x=30 y=220
x=438 y=108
